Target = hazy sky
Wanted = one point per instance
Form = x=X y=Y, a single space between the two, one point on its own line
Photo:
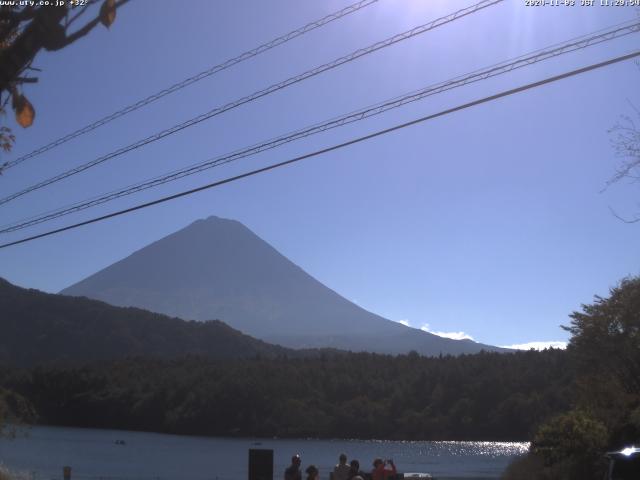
x=490 y=222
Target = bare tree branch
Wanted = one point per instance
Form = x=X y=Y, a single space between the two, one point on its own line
x=26 y=80
x=84 y=30
x=625 y=220
x=626 y=145
x=625 y=140
x=83 y=10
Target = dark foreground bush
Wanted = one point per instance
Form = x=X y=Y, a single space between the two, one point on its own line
x=567 y=447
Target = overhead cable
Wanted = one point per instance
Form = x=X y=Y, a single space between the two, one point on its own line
x=331 y=148
x=553 y=51
x=256 y=95
x=193 y=79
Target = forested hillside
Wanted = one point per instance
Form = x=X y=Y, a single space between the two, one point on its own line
x=484 y=396
x=37 y=328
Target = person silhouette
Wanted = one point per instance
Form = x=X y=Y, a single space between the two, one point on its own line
x=293 y=471
x=341 y=470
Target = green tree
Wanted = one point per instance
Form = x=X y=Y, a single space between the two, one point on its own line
x=605 y=338
x=604 y=353
x=574 y=435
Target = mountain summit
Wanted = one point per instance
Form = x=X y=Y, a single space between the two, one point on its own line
x=218 y=268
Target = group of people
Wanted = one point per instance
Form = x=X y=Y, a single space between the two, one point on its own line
x=382 y=470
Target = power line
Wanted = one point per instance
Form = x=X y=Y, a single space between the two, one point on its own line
x=259 y=94
x=553 y=51
x=378 y=133
x=195 y=78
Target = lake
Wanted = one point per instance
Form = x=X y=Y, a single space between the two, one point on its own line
x=41 y=452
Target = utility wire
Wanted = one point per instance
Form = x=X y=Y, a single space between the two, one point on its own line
x=195 y=78
x=316 y=153
x=259 y=94
x=553 y=51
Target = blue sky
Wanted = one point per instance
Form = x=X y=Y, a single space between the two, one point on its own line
x=489 y=223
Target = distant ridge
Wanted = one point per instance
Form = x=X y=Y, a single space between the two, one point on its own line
x=218 y=268
x=39 y=328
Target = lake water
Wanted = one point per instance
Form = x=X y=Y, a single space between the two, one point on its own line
x=41 y=452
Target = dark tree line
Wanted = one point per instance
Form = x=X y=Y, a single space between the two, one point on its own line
x=488 y=396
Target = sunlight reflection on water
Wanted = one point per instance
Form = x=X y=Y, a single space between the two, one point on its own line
x=96 y=454
x=492 y=449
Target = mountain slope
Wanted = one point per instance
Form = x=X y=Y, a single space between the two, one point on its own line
x=37 y=328
x=218 y=268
